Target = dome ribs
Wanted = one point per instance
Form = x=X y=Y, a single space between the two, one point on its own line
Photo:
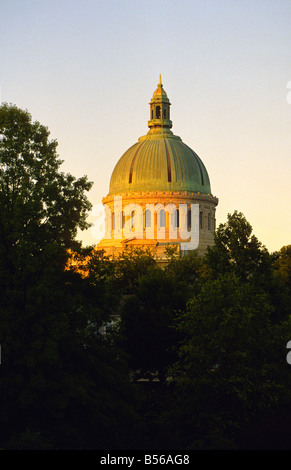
x=198 y=164
x=168 y=162
x=133 y=161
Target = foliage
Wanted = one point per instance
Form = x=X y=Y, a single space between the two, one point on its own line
x=282 y=265
x=215 y=327
x=61 y=384
x=147 y=319
x=130 y=265
x=38 y=202
x=189 y=269
x=232 y=368
x=236 y=249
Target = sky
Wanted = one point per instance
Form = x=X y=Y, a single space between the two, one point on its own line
x=87 y=70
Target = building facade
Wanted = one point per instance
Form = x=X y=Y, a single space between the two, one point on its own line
x=159 y=192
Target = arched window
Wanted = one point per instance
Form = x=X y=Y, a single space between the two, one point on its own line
x=122 y=219
x=189 y=219
x=161 y=218
x=177 y=218
x=209 y=221
x=165 y=113
x=158 y=112
x=148 y=218
x=201 y=219
x=113 y=221
x=132 y=219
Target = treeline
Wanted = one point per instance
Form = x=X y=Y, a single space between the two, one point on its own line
x=195 y=357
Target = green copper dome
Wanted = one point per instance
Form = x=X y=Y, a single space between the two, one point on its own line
x=159 y=161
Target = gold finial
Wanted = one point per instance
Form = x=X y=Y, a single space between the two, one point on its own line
x=160 y=80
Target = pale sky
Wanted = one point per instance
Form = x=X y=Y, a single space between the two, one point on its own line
x=87 y=70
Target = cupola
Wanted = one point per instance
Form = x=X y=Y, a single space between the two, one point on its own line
x=159 y=110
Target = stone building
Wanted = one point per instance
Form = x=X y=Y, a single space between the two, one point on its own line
x=159 y=192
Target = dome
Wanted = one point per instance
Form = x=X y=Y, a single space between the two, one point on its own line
x=160 y=164
x=159 y=161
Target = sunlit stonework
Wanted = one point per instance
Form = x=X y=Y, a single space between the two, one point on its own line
x=153 y=187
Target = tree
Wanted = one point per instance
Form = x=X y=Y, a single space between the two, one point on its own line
x=236 y=249
x=99 y=273
x=282 y=265
x=59 y=378
x=147 y=322
x=190 y=269
x=38 y=202
x=41 y=208
x=232 y=368
x=61 y=385
x=130 y=265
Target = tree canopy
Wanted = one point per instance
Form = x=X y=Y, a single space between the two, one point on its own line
x=60 y=385
x=38 y=201
x=212 y=331
x=236 y=248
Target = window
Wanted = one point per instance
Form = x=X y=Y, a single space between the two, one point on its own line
x=132 y=219
x=162 y=218
x=165 y=113
x=209 y=221
x=177 y=218
x=113 y=221
x=148 y=218
x=201 y=219
x=189 y=219
x=158 y=112
x=122 y=219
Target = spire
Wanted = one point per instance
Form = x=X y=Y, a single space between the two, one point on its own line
x=160 y=111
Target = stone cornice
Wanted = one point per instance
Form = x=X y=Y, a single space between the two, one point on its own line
x=145 y=195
